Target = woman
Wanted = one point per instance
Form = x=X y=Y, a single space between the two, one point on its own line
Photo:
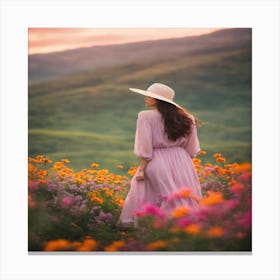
x=165 y=141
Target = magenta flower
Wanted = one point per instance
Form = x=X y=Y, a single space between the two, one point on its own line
x=246 y=220
x=34 y=186
x=150 y=209
x=246 y=177
x=66 y=202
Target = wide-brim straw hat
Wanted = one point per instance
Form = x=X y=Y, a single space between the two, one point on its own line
x=159 y=91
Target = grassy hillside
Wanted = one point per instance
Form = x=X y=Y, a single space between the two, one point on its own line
x=90 y=116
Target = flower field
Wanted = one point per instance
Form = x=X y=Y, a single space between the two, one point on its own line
x=78 y=211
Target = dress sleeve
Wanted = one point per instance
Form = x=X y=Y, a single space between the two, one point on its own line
x=192 y=146
x=143 y=147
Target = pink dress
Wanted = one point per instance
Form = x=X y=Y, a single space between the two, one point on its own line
x=170 y=167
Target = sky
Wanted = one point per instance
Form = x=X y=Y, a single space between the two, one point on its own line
x=46 y=40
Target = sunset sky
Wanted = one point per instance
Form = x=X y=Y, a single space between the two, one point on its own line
x=45 y=40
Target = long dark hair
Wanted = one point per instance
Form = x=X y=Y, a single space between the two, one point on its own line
x=177 y=123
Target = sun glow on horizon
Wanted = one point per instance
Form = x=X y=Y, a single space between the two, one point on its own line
x=47 y=40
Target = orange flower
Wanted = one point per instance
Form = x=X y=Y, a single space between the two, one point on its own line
x=59 y=245
x=212 y=198
x=115 y=246
x=96 y=199
x=108 y=192
x=158 y=224
x=192 y=229
x=40 y=158
x=196 y=161
x=202 y=153
x=32 y=168
x=195 y=197
x=30 y=159
x=220 y=159
x=94 y=165
x=132 y=170
x=58 y=165
x=175 y=229
x=42 y=174
x=180 y=211
x=120 y=166
x=217 y=168
x=215 y=232
x=185 y=192
x=246 y=166
x=65 y=160
x=217 y=155
x=160 y=244
x=119 y=201
x=88 y=245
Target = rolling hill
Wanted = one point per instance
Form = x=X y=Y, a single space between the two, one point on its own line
x=80 y=106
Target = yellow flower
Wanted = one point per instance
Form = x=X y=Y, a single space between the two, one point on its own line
x=180 y=211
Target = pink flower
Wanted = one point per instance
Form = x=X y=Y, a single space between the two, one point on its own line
x=66 y=201
x=245 y=177
x=150 y=209
x=237 y=188
x=34 y=186
x=246 y=220
x=183 y=222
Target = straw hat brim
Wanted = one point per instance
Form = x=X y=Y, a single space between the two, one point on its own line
x=154 y=95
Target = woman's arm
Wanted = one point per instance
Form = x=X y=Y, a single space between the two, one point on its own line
x=141 y=169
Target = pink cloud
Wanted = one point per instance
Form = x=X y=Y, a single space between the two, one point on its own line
x=42 y=40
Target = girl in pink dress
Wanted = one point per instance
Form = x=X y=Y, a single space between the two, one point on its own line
x=166 y=141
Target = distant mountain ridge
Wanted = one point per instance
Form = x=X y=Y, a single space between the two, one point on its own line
x=52 y=65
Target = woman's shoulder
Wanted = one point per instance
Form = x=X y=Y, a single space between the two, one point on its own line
x=147 y=114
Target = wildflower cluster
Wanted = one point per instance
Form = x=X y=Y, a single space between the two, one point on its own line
x=78 y=211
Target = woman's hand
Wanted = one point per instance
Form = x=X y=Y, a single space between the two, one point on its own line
x=140 y=175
